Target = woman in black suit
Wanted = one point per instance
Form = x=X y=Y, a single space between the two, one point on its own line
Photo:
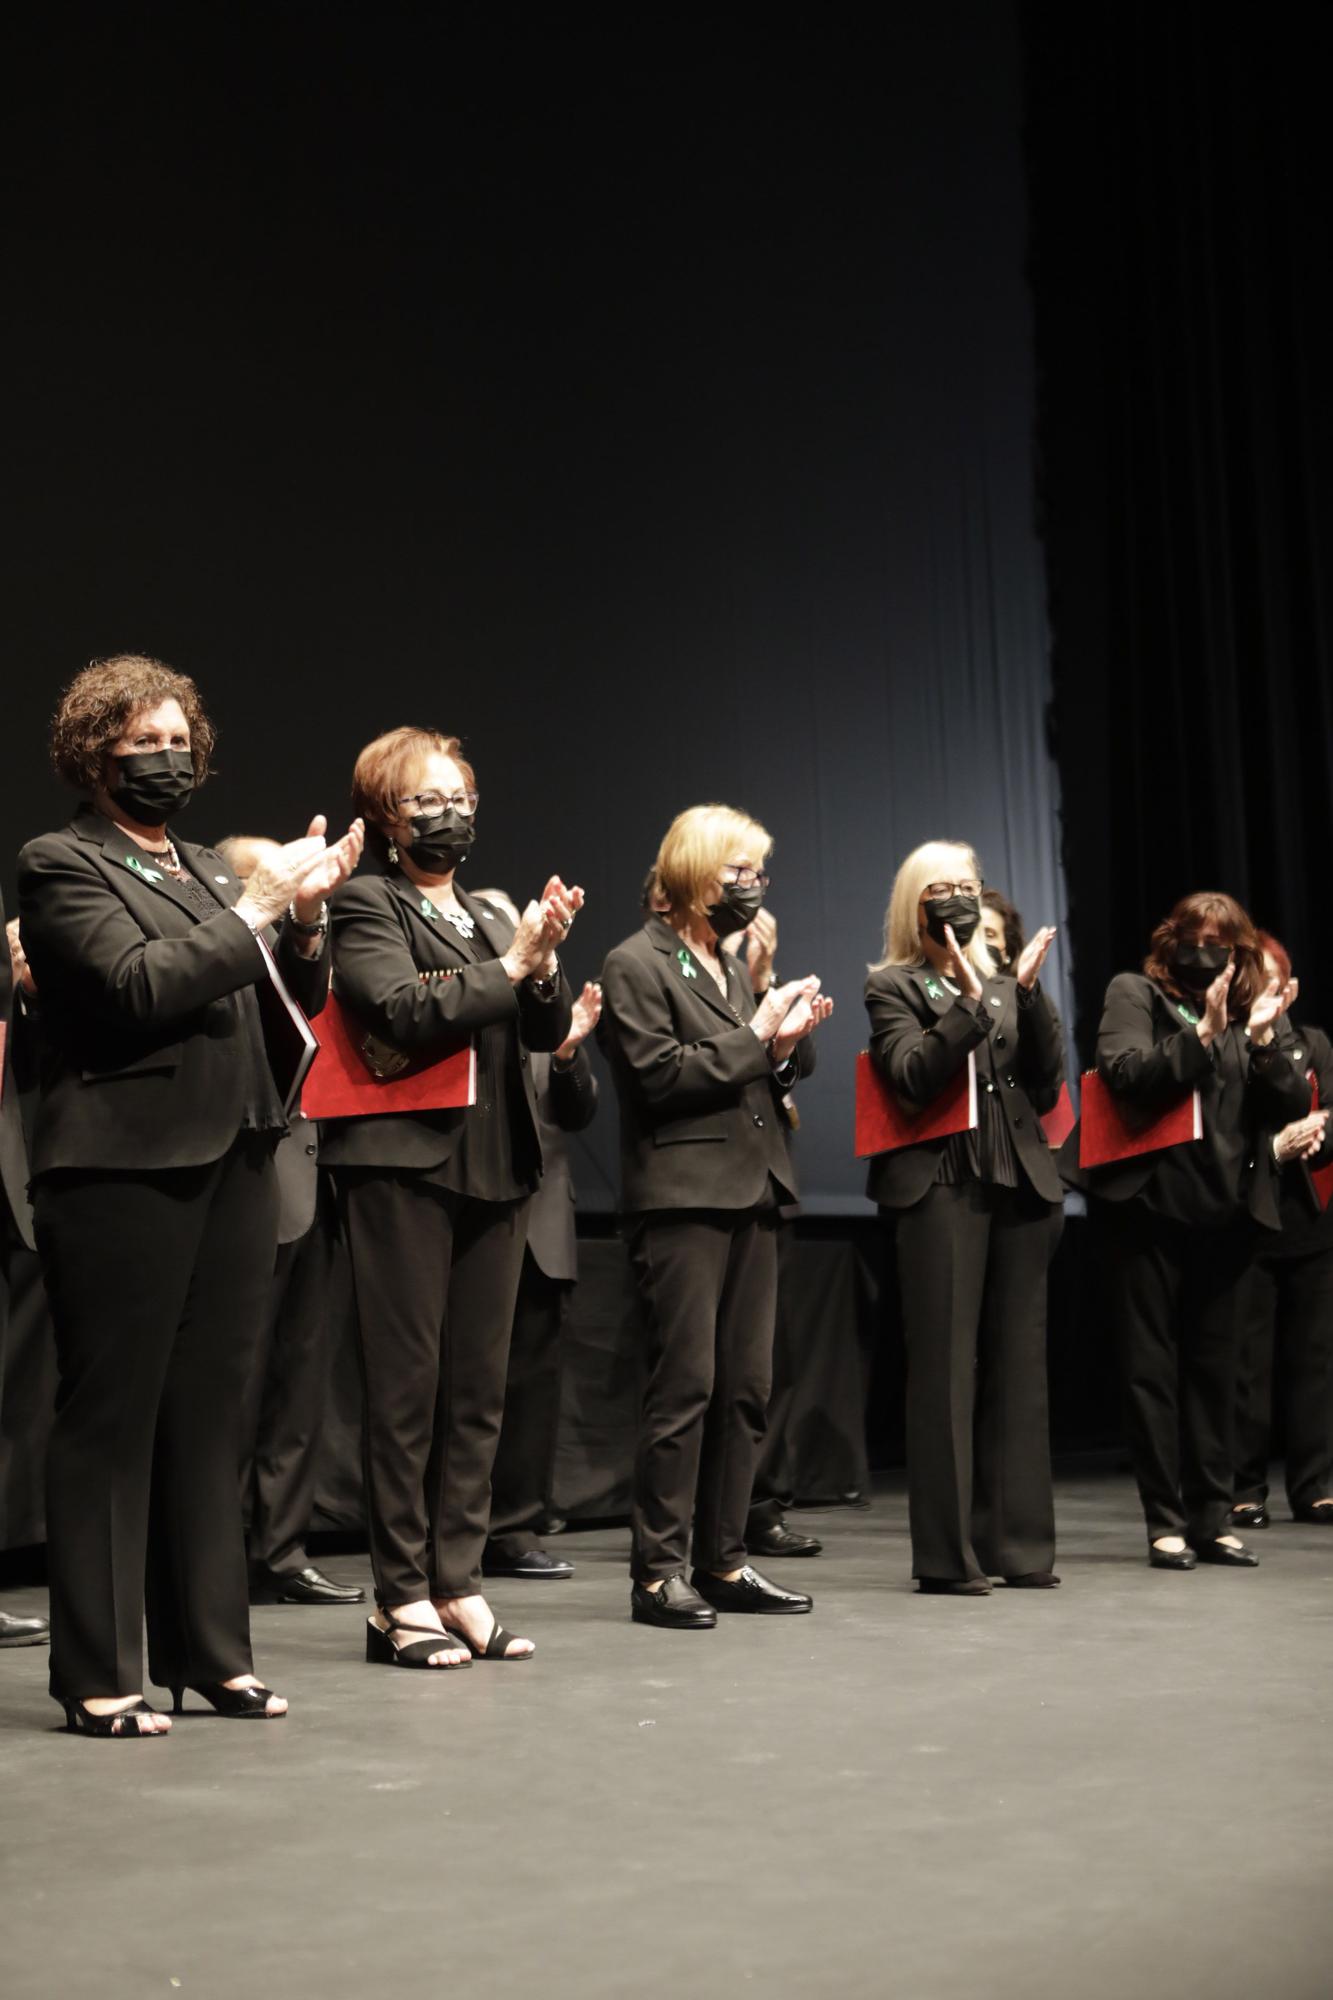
x=1289 y=1298
x=435 y=1203
x=1183 y=1225
x=155 y=1207
x=976 y=1220
x=699 y=1071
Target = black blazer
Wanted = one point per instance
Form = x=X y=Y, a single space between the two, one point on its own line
x=1310 y=1053
x=1148 y=1053
x=702 y=1123
x=13 y=1145
x=142 y=1016
x=566 y=1102
x=921 y=1036
x=383 y=940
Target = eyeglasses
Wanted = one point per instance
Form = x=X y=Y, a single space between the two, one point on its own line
x=425 y=805
x=969 y=888
x=743 y=878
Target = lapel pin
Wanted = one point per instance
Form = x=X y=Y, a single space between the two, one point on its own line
x=149 y=874
x=686 y=964
x=995 y=1002
x=221 y=880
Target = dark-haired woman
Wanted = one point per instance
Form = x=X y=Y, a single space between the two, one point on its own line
x=435 y=1202
x=1002 y=929
x=1289 y=1298
x=155 y=1206
x=1183 y=1224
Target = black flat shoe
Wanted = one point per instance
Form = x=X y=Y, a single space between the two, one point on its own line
x=1171 y=1558
x=240 y=1703
x=305 y=1586
x=1034 y=1579
x=122 y=1722
x=1225 y=1558
x=533 y=1563
x=674 y=1606
x=953 y=1586
x=749 y=1592
x=1318 y=1516
x=23 y=1631
x=1250 y=1514
x=381 y=1651
x=780 y=1540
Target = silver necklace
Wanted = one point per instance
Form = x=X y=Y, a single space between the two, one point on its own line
x=457 y=916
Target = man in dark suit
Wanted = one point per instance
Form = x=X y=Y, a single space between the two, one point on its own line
x=16 y=1210
x=289 y=1380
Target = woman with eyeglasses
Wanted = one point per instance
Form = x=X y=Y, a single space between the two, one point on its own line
x=700 y=1068
x=976 y=1219
x=435 y=1202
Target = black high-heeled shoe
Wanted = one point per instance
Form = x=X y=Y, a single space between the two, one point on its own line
x=236 y=1702
x=81 y=1721
x=381 y=1651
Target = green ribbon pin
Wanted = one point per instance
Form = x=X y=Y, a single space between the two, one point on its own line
x=428 y=908
x=935 y=992
x=149 y=874
x=1187 y=1013
x=687 y=964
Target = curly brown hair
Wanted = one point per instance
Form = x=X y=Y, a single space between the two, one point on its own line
x=1233 y=925
x=98 y=704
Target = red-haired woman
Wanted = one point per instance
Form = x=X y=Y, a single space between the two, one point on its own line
x=1289 y=1300
x=1185 y=1222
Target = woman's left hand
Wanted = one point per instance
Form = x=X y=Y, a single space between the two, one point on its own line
x=1033 y=957
x=329 y=870
x=587 y=1013
x=559 y=907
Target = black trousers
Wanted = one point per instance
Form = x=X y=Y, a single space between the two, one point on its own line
x=435 y=1276
x=156 y=1283
x=1177 y=1299
x=1288 y=1308
x=972 y=1265
x=524 y=1467
x=774 y=1488
x=287 y=1391
x=707 y=1280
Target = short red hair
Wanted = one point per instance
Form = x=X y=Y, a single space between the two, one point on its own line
x=384 y=771
x=1272 y=948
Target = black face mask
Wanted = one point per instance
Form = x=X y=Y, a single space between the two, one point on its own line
x=441 y=840
x=736 y=911
x=154 y=784
x=961 y=913
x=1197 y=965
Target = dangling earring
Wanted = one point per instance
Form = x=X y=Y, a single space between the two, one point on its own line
x=393 y=854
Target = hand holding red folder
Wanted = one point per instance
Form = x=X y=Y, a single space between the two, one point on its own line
x=883 y=1124
x=1113 y=1130
x=341 y=1086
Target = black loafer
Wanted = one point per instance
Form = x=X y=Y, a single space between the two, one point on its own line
x=532 y=1563
x=1319 y=1516
x=780 y=1540
x=1172 y=1558
x=308 y=1586
x=749 y=1592
x=953 y=1586
x=1251 y=1514
x=674 y=1605
x=1225 y=1558
x=23 y=1631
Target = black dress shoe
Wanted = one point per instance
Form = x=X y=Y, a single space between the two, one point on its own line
x=953 y=1586
x=673 y=1605
x=748 y=1592
x=1251 y=1514
x=780 y=1540
x=1034 y=1579
x=1171 y=1558
x=23 y=1631
x=1321 y=1516
x=1224 y=1557
x=532 y=1562
x=308 y=1586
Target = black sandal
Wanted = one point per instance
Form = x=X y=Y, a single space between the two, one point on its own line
x=81 y=1721
x=381 y=1651
x=494 y=1649
x=239 y=1702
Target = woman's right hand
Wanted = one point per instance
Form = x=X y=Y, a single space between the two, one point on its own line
x=778 y=1002
x=1213 y=1021
x=274 y=884
x=542 y=928
x=961 y=969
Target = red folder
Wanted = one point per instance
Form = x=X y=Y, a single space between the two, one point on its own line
x=1113 y=1130
x=1322 y=1177
x=341 y=1086
x=1059 y=1121
x=883 y=1124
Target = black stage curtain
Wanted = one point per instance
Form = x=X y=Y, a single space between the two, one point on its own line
x=1183 y=294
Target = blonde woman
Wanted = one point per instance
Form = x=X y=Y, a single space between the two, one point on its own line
x=976 y=1218
x=699 y=1069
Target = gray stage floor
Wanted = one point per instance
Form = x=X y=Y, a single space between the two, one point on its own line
x=1121 y=1788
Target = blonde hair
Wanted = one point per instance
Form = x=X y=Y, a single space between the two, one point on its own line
x=933 y=861
x=695 y=848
